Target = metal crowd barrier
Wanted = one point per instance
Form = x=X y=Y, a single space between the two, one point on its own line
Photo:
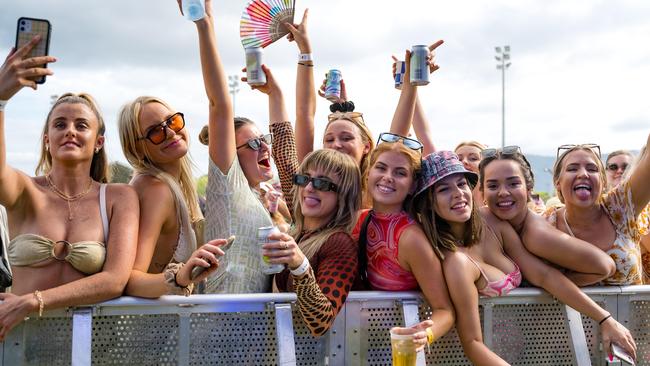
x=527 y=327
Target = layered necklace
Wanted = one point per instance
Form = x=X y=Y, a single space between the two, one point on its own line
x=65 y=197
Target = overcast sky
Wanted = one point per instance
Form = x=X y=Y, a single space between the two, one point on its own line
x=580 y=69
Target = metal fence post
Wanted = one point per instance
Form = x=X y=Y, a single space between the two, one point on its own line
x=577 y=339
x=82 y=336
x=411 y=313
x=284 y=335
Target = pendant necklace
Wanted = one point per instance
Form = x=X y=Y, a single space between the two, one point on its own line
x=65 y=197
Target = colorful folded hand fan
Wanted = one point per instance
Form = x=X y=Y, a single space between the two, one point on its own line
x=262 y=22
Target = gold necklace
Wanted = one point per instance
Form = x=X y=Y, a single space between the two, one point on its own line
x=65 y=197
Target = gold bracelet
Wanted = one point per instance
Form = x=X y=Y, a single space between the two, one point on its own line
x=430 y=337
x=41 y=303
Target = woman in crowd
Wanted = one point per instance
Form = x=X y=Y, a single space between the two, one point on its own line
x=397 y=255
x=73 y=237
x=616 y=165
x=506 y=184
x=606 y=220
x=469 y=153
x=484 y=255
x=240 y=159
x=320 y=255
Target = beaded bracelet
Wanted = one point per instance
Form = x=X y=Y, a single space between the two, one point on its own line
x=41 y=303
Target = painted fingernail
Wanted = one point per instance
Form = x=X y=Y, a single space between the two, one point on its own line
x=611 y=357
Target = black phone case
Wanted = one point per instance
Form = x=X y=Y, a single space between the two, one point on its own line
x=39 y=26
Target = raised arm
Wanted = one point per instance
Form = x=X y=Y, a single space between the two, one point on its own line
x=542 y=275
x=15 y=74
x=305 y=90
x=421 y=128
x=221 y=129
x=409 y=105
x=639 y=181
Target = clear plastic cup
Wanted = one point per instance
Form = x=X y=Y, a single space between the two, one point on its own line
x=403 y=349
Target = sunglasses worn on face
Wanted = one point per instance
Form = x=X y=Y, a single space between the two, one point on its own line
x=564 y=148
x=321 y=184
x=614 y=167
x=158 y=133
x=408 y=142
x=256 y=143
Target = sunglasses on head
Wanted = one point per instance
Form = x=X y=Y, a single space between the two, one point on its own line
x=158 y=133
x=321 y=184
x=564 y=148
x=256 y=142
x=614 y=167
x=505 y=151
x=344 y=115
x=412 y=144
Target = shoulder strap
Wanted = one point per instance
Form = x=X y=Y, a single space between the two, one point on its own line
x=363 y=256
x=102 y=210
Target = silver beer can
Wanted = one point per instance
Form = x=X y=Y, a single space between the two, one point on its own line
x=419 y=68
x=254 y=72
x=262 y=238
x=333 y=85
x=400 y=70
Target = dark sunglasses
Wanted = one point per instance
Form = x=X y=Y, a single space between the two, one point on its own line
x=563 y=149
x=256 y=143
x=321 y=184
x=614 y=167
x=158 y=133
x=412 y=144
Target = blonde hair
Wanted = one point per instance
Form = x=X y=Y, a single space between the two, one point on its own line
x=99 y=166
x=557 y=169
x=183 y=190
x=471 y=143
x=331 y=162
x=414 y=157
x=356 y=119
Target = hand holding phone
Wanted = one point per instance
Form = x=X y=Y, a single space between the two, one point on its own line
x=622 y=354
x=197 y=270
x=26 y=30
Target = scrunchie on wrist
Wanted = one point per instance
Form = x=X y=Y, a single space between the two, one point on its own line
x=347 y=106
x=170 y=273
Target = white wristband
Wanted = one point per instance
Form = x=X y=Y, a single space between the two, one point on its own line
x=304 y=57
x=302 y=269
x=3 y=103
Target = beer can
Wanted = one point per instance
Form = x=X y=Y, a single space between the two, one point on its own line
x=419 y=68
x=400 y=70
x=254 y=72
x=262 y=238
x=333 y=85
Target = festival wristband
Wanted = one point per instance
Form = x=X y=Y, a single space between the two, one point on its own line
x=304 y=57
x=302 y=268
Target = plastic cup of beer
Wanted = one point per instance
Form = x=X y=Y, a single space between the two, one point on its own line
x=403 y=349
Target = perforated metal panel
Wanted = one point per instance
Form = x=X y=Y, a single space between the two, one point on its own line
x=47 y=341
x=593 y=337
x=448 y=349
x=135 y=340
x=375 y=332
x=310 y=351
x=639 y=326
x=531 y=334
x=233 y=339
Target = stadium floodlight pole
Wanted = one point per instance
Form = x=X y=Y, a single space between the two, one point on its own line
x=503 y=58
x=233 y=83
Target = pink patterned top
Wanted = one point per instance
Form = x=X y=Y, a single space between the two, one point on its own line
x=383 y=233
x=502 y=286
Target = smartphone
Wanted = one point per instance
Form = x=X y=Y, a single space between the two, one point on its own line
x=26 y=30
x=197 y=270
x=622 y=354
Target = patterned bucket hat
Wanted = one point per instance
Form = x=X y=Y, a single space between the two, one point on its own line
x=440 y=164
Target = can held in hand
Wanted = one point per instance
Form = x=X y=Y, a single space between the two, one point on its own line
x=400 y=70
x=254 y=72
x=419 y=68
x=333 y=85
x=262 y=238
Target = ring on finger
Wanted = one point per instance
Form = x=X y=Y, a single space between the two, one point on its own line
x=286 y=245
